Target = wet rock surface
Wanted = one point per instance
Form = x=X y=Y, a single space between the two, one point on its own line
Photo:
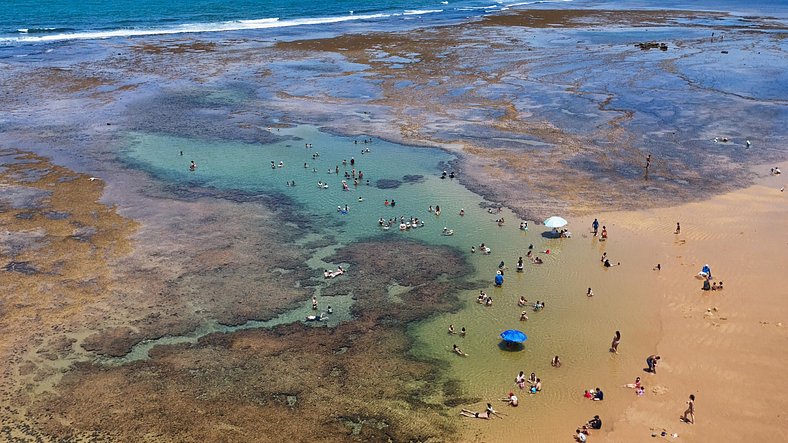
x=305 y=381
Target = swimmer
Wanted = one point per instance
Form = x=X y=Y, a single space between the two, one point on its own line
x=473 y=249
x=330 y=311
x=361 y=199
x=463 y=332
x=462 y=212
x=522 y=301
x=193 y=166
x=458 y=351
x=451 y=330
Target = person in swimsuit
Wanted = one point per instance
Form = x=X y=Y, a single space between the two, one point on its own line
x=616 y=341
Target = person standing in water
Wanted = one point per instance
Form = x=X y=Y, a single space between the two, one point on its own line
x=616 y=341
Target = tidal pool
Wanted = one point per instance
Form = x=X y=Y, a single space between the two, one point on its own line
x=572 y=325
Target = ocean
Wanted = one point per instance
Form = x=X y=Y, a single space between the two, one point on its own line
x=55 y=20
x=37 y=21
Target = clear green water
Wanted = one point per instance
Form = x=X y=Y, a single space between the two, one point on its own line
x=573 y=326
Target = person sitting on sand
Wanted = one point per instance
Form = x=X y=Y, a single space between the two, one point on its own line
x=640 y=391
x=588 y=394
x=598 y=395
x=556 y=363
x=595 y=423
x=634 y=385
x=537 y=386
x=511 y=399
x=532 y=378
x=580 y=437
x=590 y=293
x=706 y=285
x=719 y=286
x=604 y=257
x=523 y=316
x=458 y=351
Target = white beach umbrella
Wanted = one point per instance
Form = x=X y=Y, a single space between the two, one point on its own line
x=555 y=222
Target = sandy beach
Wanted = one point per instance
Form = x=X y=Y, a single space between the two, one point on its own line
x=147 y=302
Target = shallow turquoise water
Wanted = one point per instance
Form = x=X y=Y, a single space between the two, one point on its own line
x=247 y=168
x=572 y=325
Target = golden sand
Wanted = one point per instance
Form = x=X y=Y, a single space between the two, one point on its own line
x=727 y=347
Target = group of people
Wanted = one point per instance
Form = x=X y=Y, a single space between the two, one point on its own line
x=582 y=433
x=534 y=383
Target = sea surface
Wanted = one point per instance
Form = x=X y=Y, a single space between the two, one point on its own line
x=36 y=21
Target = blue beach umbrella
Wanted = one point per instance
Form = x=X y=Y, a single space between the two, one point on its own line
x=514 y=336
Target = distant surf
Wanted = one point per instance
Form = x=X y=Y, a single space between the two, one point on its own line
x=126 y=21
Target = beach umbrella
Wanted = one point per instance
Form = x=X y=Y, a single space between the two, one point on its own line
x=513 y=335
x=555 y=222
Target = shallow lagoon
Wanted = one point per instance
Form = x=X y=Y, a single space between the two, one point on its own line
x=572 y=325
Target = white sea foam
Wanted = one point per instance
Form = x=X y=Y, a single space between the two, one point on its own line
x=422 y=11
x=238 y=25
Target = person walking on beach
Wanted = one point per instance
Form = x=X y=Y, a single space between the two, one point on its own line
x=651 y=361
x=616 y=341
x=689 y=414
x=678 y=228
x=595 y=225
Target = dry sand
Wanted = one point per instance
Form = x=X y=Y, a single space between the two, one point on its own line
x=732 y=357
